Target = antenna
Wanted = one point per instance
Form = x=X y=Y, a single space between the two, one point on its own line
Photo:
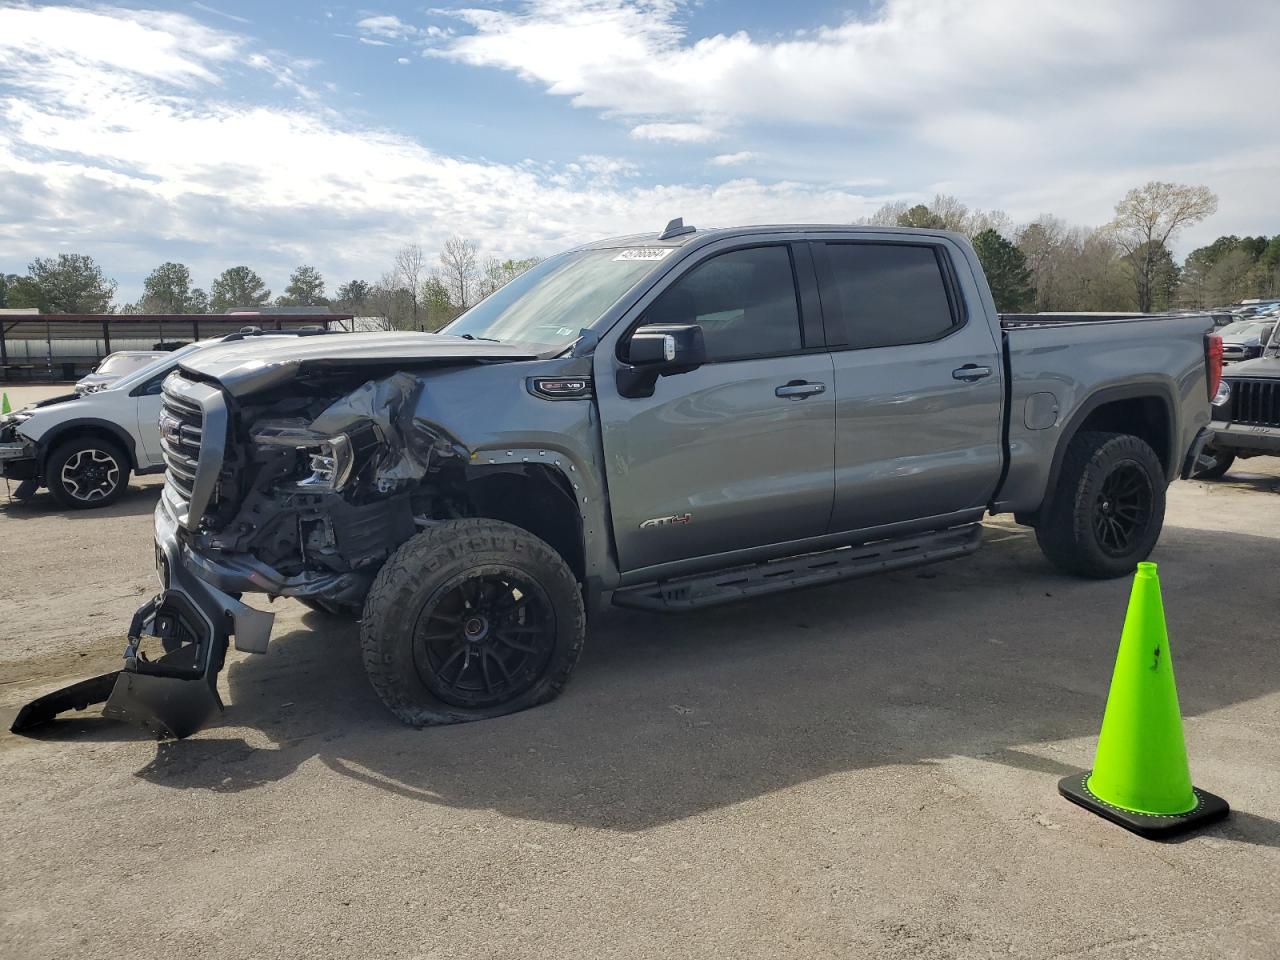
x=675 y=228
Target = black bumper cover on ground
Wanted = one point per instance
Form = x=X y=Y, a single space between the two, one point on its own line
x=172 y=696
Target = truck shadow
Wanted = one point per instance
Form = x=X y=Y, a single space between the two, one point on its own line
x=676 y=717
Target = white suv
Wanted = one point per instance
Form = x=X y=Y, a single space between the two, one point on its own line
x=83 y=448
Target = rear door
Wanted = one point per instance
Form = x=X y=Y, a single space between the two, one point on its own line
x=738 y=453
x=918 y=384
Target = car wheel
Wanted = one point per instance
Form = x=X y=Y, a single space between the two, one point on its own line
x=1108 y=507
x=87 y=473
x=471 y=619
x=1213 y=464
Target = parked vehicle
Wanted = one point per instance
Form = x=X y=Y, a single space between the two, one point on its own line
x=1244 y=339
x=84 y=447
x=114 y=366
x=665 y=421
x=1246 y=414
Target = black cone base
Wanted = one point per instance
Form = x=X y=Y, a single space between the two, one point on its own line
x=1152 y=826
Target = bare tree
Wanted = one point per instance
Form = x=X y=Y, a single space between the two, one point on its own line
x=458 y=270
x=888 y=215
x=1147 y=218
x=406 y=274
x=1043 y=243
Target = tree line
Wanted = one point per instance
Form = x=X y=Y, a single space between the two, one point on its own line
x=1046 y=265
x=1122 y=266
x=414 y=294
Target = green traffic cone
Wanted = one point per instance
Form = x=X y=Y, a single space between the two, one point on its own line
x=4 y=404
x=1140 y=777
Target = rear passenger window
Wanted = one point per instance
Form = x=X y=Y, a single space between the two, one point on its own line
x=745 y=302
x=887 y=294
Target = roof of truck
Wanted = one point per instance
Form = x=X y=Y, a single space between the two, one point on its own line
x=708 y=233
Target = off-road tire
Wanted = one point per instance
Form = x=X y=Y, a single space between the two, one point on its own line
x=1068 y=532
x=86 y=447
x=1222 y=462
x=420 y=572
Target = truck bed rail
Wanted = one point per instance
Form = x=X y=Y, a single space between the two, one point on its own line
x=1014 y=321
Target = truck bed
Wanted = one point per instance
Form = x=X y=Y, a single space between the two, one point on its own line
x=1062 y=366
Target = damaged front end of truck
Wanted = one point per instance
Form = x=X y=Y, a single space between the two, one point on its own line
x=293 y=479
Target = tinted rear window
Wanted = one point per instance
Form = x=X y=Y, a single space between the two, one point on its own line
x=888 y=293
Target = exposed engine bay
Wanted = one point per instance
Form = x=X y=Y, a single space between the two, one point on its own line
x=317 y=480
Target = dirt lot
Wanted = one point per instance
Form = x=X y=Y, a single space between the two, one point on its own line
x=867 y=769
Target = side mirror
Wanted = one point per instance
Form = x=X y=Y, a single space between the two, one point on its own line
x=676 y=347
x=660 y=350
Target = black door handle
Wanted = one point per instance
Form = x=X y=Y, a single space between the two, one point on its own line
x=971 y=372
x=799 y=389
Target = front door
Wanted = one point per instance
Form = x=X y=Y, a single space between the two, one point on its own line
x=739 y=452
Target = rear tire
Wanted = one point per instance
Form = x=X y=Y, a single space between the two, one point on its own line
x=1108 y=507
x=1215 y=462
x=471 y=619
x=87 y=472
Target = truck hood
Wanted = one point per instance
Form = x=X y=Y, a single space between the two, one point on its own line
x=1262 y=367
x=253 y=365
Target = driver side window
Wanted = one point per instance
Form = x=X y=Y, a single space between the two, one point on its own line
x=745 y=301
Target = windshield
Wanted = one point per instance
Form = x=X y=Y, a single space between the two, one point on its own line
x=121 y=363
x=142 y=374
x=545 y=307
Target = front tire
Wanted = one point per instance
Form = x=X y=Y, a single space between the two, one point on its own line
x=86 y=473
x=1108 y=507
x=471 y=619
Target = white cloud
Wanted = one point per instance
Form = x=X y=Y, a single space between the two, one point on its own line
x=129 y=134
x=402 y=60
x=987 y=96
x=386 y=27
x=137 y=154
x=675 y=132
x=732 y=159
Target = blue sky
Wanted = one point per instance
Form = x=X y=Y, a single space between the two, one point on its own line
x=278 y=133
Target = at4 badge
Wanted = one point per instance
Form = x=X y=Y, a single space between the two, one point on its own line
x=666 y=521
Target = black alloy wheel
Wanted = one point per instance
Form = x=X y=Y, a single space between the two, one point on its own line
x=1122 y=510
x=484 y=638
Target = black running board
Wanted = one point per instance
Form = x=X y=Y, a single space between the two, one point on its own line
x=808 y=570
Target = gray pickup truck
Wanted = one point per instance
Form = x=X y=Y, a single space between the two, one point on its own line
x=666 y=421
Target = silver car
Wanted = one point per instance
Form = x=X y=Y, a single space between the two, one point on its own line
x=114 y=366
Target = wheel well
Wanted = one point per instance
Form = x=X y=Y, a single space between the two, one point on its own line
x=87 y=431
x=1144 y=417
x=533 y=497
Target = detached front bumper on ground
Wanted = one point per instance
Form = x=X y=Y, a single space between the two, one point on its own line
x=192 y=620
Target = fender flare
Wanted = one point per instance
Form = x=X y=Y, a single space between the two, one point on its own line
x=55 y=435
x=1099 y=398
x=580 y=481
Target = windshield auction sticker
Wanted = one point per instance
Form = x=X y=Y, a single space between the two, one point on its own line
x=644 y=253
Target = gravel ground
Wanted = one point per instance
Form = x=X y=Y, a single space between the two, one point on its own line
x=866 y=769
